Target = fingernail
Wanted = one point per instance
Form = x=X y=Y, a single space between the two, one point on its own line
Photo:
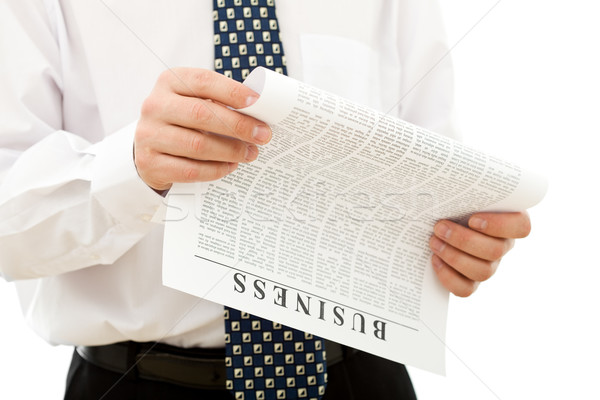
x=232 y=166
x=443 y=230
x=251 y=152
x=251 y=100
x=261 y=133
x=437 y=245
x=478 y=223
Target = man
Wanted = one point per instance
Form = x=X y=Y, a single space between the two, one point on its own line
x=83 y=169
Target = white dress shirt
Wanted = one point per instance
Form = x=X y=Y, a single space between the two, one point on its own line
x=76 y=221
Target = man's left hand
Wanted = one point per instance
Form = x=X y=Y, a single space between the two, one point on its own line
x=465 y=256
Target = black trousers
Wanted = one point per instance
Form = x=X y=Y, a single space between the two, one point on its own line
x=360 y=376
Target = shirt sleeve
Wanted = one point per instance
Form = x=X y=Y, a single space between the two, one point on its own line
x=66 y=202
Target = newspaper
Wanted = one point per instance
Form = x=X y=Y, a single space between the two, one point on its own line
x=328 y=230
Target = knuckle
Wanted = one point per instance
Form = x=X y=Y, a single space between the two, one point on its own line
x=237 y=92
x=242 y=127
x=140 y=158
x=189 y=174
x=143 y=158
x=141 y=162
x=149 y=106
x=170 y=78
x=198 y=142
x=208 y=171
x=166 y=75
x=203 y=79
x=200 y=112
x=176 y=79
x=146 y=167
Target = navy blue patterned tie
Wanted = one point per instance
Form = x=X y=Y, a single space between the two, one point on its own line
x=265 y=360
x=246 y=36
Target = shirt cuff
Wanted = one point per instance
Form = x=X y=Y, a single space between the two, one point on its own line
x=116 y=183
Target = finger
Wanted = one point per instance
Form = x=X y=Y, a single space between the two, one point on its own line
x=452 y=280
x=473 y=268
x=472 y=242
x=502 y=225
x=188 y=143
x=205 y=115
x=206 y=84
x=160 y=171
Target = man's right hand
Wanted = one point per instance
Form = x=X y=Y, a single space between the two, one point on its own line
x=187 y=133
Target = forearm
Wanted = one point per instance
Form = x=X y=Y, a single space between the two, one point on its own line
x=66 y=204
x=70 y=196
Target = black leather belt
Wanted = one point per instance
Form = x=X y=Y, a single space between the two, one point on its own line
x=196 y=368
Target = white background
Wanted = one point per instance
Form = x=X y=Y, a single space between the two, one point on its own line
x=528 y=88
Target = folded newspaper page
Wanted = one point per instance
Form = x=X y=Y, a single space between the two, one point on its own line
x=328 y=230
